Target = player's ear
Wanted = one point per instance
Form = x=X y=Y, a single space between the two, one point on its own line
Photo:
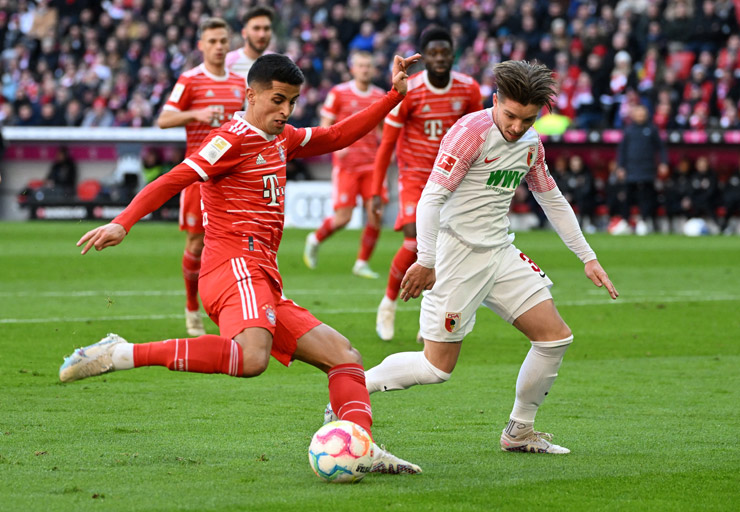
x=251 y=93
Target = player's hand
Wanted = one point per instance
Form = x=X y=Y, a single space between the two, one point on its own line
x=416 y=280
x=205 y=115
x=399 y=72
x=375 y=213
x=102 y=237
x=600 y=278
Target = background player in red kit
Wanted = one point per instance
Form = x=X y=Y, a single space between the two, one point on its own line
x=203 y=98
x=352 y=167
x=437 y=98
x=242 y=165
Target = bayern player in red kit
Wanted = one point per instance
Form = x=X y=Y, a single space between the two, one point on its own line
x=202 y=99
x=437 y=98
x=352 y=167
x=242 y=167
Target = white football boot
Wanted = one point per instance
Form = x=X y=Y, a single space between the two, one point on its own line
x=329 y=415
x=386 y=318
x=311 y=251
x=362 y=269
x=194 y=323
x=386 y=462
x=534 y=442
x=89 y=361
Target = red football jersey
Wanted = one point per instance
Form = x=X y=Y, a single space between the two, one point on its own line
x=424 y=117
x=342 y=101
x=196 y=89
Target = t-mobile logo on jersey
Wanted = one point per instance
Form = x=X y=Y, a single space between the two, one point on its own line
x=272 y=190
x=433 y=129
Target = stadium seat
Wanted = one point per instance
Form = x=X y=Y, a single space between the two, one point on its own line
x=88 y=190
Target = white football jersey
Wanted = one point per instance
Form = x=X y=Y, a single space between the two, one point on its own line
x=481 y=170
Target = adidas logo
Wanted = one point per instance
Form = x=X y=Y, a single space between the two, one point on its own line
x=260 y=160
x=210 y=94
x=425 y=108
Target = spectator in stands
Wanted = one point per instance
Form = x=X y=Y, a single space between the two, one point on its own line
x=731 y=200
x=99 y=116
x=616 y=199
x=152 y=166
x=677 y=194
x=583 y=192
x=62 y=178
x=636 y=156
x=704 y=191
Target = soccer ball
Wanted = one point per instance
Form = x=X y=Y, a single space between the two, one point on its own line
x=341 y=451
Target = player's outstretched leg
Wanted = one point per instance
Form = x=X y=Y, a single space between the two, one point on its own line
x=385 y=462
x=367 y=245
x=361 y=268
x=92 y=360
x=518 y=437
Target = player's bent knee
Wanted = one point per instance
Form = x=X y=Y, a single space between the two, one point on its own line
x=254 y=367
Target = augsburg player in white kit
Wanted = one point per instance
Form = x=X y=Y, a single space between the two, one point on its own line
x=466 y=257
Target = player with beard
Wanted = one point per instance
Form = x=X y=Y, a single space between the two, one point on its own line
x=202 y=99
x=257 y=33
x=437 y=98
x=352 y=168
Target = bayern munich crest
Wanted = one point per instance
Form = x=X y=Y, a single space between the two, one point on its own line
x=453 y=321
x=281 y=151
x=270 y=314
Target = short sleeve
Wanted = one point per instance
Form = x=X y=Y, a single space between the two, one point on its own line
x=397 y=116
x=460 y=147
x=181 y=96
x=219 y=154
x=330 y=108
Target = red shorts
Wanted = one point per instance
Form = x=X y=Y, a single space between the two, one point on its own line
x=238 y=294
x=191 y=217
x=409 y=193
x=347 y=184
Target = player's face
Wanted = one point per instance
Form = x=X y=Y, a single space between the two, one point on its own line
x=269 y=109
x=214 y=44
x=257 y=33
x=512 y=118
x=438 y=57
x=362 y=69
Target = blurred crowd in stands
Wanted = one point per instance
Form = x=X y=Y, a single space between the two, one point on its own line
x=112 y=63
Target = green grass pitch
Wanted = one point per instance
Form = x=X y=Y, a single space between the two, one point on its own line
x=647 y=398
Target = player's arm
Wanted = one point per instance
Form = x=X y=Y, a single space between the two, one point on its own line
x=320 y=140
x=151 y=197
x=561 y=216
x=177 y=111
x=169 y=118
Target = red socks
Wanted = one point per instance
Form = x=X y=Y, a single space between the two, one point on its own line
x=404 y=258
x=326 y=229
x=190 y=271
x=204 y=354
x=349 y=396
x=367 y=243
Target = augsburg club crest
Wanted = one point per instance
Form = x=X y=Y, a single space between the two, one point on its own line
x=452 y=321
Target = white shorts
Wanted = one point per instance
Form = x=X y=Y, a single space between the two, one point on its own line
x=503 y=279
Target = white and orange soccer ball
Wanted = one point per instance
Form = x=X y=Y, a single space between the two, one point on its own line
x=341 y=451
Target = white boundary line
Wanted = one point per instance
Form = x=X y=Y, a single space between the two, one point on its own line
x=604 y=301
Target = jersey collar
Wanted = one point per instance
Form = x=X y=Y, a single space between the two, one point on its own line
x=212 y=76
x=436 y=90
x=239 y=118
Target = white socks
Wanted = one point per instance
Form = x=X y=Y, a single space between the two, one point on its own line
x=123 y=356
x=403 y=370
x=536 y=375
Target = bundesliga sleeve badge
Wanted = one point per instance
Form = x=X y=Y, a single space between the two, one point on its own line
x=445 y=164
x=452 y=321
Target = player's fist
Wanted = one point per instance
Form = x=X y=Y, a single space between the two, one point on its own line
x=102 y=237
